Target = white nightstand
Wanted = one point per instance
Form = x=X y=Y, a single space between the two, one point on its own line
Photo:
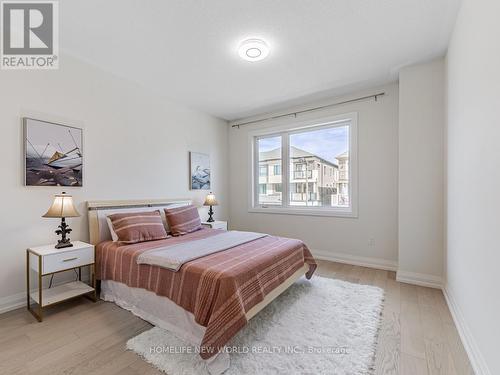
x=47 y=260
x=215 y=224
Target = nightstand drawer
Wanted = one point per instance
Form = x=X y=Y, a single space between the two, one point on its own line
x=67 y=259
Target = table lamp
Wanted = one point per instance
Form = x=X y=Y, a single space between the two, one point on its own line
x=210 y=201
x=62 y=207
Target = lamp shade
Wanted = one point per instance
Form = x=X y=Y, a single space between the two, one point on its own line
x=210 y=200
x=62 y=207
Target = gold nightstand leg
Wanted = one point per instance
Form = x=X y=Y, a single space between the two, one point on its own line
x=94 y=283
x=27 y=279
x=93 y=295
x=39 y=315
x=40 y=303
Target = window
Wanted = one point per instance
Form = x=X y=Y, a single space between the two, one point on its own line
x=313 y=168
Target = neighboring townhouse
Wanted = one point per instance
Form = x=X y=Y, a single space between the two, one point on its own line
x=314 y=181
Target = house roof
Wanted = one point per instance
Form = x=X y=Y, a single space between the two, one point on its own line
x=296 y=152
x=276 y=153
x=344 y=155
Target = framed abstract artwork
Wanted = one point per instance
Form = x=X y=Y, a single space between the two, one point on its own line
x=53 y=154
x=199 y=171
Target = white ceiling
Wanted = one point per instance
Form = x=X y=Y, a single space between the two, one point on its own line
x=187 y=49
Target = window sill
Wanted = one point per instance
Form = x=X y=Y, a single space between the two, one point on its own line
x=347 y=213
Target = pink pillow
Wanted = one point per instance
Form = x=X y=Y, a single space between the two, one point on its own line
x=133 y=227
x=183 y=220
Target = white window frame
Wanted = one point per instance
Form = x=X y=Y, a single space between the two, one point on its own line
x=285 y=131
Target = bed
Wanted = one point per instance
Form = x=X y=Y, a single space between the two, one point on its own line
x=209 y=299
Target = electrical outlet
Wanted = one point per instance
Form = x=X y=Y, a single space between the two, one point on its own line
x=371 y=242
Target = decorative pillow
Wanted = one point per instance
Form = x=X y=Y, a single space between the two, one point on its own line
x=183 y=220
x=133 y=227
x=114 y=237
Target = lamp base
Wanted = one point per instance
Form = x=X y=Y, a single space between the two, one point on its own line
x=210 y=213
x=63 y=230
x=62 y=245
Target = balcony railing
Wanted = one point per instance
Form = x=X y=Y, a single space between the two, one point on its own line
x=302 y=197
x=300 y=175
x=274 y=198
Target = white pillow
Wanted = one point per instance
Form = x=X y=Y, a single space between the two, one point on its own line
x=114 y=236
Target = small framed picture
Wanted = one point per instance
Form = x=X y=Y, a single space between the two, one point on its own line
x=199 y=171
x=53 y=154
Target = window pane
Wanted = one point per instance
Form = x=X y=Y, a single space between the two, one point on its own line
x=319 y=167
x=269 y=189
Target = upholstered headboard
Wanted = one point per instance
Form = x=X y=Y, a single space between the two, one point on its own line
x=98 y=210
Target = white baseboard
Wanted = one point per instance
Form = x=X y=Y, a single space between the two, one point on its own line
x=12 y=302
x=475 y=357
x=381 y=264
x=420 y=279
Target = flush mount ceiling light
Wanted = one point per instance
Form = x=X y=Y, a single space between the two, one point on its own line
x=253 y=49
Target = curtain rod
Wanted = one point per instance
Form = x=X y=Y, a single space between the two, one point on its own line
x=374 y=96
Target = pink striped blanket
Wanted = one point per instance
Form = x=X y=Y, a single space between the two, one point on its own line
x=218 y=288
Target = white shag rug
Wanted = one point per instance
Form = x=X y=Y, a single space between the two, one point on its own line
x=321 y=326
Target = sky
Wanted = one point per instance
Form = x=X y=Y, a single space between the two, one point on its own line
x=326 y=143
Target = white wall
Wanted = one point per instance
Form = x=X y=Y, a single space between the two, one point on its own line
x=421 y=164
x=135 y=146
x=337 y=238
x=473 y=173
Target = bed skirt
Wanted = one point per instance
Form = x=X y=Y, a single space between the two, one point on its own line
x=163 y=313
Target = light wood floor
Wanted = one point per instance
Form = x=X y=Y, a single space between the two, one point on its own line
x=417 y=335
